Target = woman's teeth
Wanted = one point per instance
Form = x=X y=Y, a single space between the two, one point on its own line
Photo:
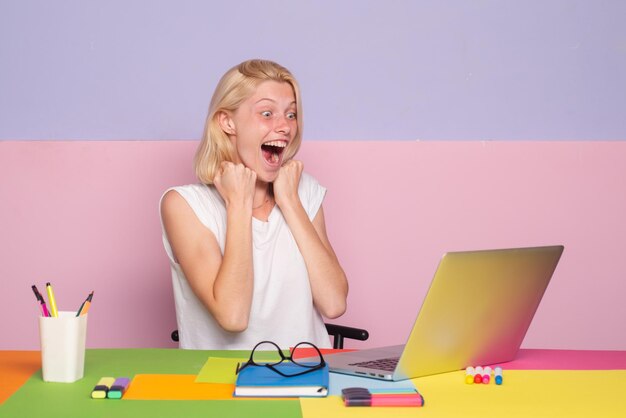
x=280 y=144
x=272 y=150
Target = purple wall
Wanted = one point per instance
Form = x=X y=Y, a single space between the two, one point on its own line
x=370 y=70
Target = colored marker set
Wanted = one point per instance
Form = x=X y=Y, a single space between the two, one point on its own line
x=358 y=396
x=482 y=375
x=110 y=388
x=53 y=311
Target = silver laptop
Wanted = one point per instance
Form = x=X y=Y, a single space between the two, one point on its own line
x=476 y=312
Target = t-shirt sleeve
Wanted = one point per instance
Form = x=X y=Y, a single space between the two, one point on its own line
x=311 y=194
x=200 y=206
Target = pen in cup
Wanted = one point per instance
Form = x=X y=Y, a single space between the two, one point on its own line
x=84 y=308
x=53 y=303
x=42 y=302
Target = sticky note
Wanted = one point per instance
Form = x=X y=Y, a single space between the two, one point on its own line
x=219 y=370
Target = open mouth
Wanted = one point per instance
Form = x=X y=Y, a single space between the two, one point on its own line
x=273 y=150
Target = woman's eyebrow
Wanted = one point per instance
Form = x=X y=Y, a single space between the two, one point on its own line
x=272 y=100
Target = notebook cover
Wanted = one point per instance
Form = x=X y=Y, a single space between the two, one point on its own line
x=261 y=381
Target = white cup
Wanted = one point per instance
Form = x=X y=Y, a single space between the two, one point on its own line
x=63 y=347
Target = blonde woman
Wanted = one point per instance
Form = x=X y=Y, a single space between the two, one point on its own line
x=248 y=248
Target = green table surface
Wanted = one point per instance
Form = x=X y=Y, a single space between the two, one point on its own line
x=37 y=398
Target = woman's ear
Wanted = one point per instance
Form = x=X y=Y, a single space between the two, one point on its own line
x=226 y=123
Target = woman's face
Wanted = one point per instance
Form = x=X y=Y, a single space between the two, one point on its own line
x=264 y=125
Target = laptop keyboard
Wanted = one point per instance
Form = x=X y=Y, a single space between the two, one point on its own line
x=387 y=364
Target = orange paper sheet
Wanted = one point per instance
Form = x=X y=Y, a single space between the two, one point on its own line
x=180 y=387
x=17 y=367
x=175 y=387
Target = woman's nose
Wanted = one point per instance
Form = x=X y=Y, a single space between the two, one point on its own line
x=282 y=125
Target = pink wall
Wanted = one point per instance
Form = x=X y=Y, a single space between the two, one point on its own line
x=84 y=216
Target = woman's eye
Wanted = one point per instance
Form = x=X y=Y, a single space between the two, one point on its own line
x=291 y=115
x=266 y=114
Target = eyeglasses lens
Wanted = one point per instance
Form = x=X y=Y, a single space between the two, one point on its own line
x=266 y=353
x=308 y=353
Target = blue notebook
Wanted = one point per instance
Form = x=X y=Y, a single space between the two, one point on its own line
x=261 y=382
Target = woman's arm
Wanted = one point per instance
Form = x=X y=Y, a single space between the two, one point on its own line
x=329 y=285
x=223 y=284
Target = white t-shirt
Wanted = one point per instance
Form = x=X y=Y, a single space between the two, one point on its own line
x=282 y=304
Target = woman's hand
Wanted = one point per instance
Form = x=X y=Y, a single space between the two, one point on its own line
x=329 y=285
x=222 y=278
x=235 y=183
x=287 y=182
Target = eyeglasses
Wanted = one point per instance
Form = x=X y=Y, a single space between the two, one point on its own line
x=300 y=350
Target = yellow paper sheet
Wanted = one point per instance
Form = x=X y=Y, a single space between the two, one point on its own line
x=219 y=370
x=525 y=393
x=175 y=387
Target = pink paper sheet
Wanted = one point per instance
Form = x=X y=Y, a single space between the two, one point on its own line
x=541 y=359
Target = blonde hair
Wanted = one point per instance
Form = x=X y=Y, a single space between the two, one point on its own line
x=237 y=85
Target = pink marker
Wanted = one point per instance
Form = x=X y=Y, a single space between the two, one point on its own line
x=358 y=396
x=45 y=309
x=486 y=375
x=42 y=302
x=397 y=400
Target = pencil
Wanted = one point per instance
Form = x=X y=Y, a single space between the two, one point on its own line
x=84 y=308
